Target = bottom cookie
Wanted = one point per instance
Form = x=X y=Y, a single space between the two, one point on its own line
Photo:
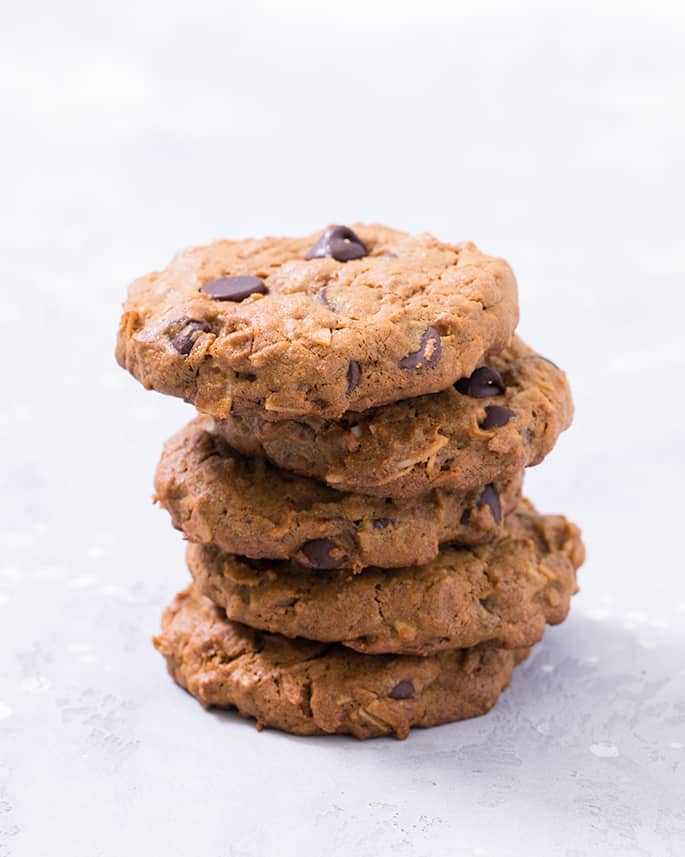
x=309 y=688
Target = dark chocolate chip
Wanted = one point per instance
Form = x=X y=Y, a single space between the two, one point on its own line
x=465 y=515
x=319 y=553
x=490 y=498
x=403 y=690
x=428 y=353
x=234 y=288
x=339 y=242
x=482 y=383
x=380 y=523
x=354 y=374
x=185 y=339
x=496 y=417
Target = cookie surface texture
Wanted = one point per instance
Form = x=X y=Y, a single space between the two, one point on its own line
x=503 y=593
x=503 y=420
x=297 y=326
x=250 y=507
x=311 y=688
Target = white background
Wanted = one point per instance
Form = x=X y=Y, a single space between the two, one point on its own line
x=552 y=137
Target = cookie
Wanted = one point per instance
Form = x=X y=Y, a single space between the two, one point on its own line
x=502 y=593
x=312 y=688
x=250 y=507
x=317 y=325
x=485 y=428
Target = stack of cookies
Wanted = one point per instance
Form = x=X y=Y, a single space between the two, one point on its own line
x=362 y=557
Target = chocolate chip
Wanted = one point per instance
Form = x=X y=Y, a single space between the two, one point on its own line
x=496 y=417
x=403 y=690
x=185 y=339
x=490 y=498
x=380 y=523
x=428 y=354
x=319 y=553
x=483 y=382
x=234 y=288
x=354 y=374
x=339 y=242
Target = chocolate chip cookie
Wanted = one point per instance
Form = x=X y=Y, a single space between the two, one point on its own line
x=317 y=325
x=312 y=688
x=502 y=593
x=250 y=507
x=506 y=416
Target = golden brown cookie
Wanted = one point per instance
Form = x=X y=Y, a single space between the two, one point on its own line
x=316 y=325
x=250 y=507
x=502 y=593
x=316 y=689
x=506 y=416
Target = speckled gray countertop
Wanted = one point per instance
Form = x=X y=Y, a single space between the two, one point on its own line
x=555 y=140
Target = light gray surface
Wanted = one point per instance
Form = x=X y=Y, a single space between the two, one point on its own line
x=555 y=140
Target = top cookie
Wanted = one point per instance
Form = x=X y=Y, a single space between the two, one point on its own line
x=317 y=325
